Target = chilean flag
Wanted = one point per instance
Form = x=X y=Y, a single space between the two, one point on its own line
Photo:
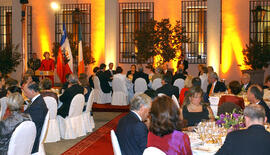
x=80 y=54
x=64 y=59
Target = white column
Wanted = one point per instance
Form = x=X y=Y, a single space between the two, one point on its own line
x=214 y=34
x=111 y=31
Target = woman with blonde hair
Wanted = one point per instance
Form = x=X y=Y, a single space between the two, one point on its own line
x=194 y=110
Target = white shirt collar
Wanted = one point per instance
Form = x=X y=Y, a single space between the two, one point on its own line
x=258 y=102
x=34 y=98
x=137 y=115
x=245 y=85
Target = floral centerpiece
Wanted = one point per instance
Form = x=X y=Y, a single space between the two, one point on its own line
x=231 y=120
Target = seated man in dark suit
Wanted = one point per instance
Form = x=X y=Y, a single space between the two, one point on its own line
x=37 y=109
x=165 y=70
x=253 y=140
x=179 y=74
x=73 y=89
x=104 y=79
x=255 y=96
x=167 y=88
x=215 y=86
x=131 y=130
x=245 y=80
x=140 y=74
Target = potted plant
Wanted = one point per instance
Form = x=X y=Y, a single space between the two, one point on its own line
x=10 y=58
x=256 y=57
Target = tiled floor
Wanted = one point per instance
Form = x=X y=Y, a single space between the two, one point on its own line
x=57 y=148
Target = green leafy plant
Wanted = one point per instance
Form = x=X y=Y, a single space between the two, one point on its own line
x=256 y=55
x=10 y=58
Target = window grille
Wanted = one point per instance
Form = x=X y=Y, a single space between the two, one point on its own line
x=194 y=19
x=260 y=21
x=5 y=26
x=132 y=17
x=29 y=30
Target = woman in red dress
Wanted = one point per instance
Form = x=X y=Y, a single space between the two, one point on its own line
x=47 y=64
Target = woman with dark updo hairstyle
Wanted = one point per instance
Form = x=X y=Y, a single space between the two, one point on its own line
x=165 y=126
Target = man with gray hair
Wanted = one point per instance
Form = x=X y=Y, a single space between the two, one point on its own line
x=131 y=130
x=245 y=81
x=253 y=140
x=73 y=89
x=214 y=85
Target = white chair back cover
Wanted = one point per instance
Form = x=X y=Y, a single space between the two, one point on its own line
x=99 y=96
x=153 y=151
x=175 y=101
x=87 y=118
x=3 y=108
x=22 y=139
x=41 y=150
x=140 y=85
x=204 y=84
x=73 y=125
x=115 y=144
x=179 y=83
x=53 y=134
x=156 y=83
x=119 y=96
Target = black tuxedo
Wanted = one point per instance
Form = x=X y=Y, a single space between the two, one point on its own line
x=131 y=133
x=104 y=81
x=38 y=111
x=169 y=90
x=110 y=74
x=252 y=141
x=140 y=75
x=219 y=87
x=246 y=89
x=267 y=110
x=66 y=98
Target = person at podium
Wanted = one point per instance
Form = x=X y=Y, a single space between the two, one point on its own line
x=47 y=64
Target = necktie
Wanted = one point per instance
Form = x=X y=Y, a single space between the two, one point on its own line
x=211 y=90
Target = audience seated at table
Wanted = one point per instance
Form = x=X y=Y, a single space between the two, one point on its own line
x=245 y=81
x=3 y=91
x=84 y=83
x=65 y=84
x=255 y=96
x=200 y=68
x=91 y=82
x=165 y=70
x=214 y=86
x=37 y=109
x=210 y=69
x=73 y=89
x=234 y=90
x=157 y=74
x=104 y=79
x=140 y=74
x=167 y=88
x=194 y=110
x=267 y=83
x=204 y=79
x=46 y=89
x=254 y=140
x=131 y=72
x=187 y=85
x=8 y=125
x=165 y=128
x=179 y=74
x=26 y=79
x=131 y=130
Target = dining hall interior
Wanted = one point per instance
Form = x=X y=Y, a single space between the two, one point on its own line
x=134 y=77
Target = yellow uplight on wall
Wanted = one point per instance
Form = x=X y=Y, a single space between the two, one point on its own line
x=55 y=6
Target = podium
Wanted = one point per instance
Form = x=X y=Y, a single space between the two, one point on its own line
x=43 y=73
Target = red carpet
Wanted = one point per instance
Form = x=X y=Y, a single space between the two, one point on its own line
x=109 y=108
x=97 y=143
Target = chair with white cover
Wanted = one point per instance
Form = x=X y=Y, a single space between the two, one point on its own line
x=3 y=107
x=179 y=83
x=175 y=101
x=119 y=96
x=115 y=144
x=153 y=150
x=53 y=134
x=156 y=83
x=140 y=86
x=22 y=139
x=73 y=126
x=99 y=96
x=41 y=150
x=87 y=117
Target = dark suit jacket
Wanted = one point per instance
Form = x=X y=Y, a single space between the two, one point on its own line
x=267 y=110
x=169 y=90
x=140 y=75
x=66 y=98
x=253 y=141
x=129 y=72
x=131 y=134
x=109 y=74
x=219 y=87
x=168 y=73
x=177 y=76
x=104 y=81
x=91 y=82
x=246 y=89
x=37 y=111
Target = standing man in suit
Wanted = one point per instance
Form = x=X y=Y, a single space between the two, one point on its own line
x=37 y=109
x=140 y=74
x=253 y=140
x=255 y=96
x=167 y=88
x=110 y=71
x=104 y=79
x=131 y=130
x=245 y=80
x=73 y=89
x=214 y=85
